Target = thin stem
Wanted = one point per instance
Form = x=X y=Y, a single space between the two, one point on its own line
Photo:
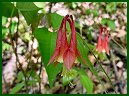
x=40 y=77
x=30 y=55
x=15 y=49
x=16 y=39
x=50 y=8
x=117 y=43
x=116 y=72
x=81 y=30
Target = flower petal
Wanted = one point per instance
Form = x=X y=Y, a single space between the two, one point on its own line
x=106 y=47
x=99 y=44
x=54 y=56
x=69 y=58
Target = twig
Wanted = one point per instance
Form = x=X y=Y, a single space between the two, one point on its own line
x=40 y=77
x=16 y=39
x=29 y=57
x=117 y=43
x=50 y=7
x=116 y=72
x=14 y=49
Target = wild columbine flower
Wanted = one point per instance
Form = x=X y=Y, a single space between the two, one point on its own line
x=71 y=53
x=64 y=52
x=102 y=45
x=61 y=43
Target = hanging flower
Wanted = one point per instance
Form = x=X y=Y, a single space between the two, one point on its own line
x=102 y=45
x=64 y=52
x=71 y=53
x=105 y=44
x=61 y=43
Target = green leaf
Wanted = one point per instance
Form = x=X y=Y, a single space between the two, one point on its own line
x=13 y=27
x=4 y=31
x=29 y=16
x=109 y=23
x=26 y=6
x=20 y=76
x=72 y=74
x=86 y=81
x=4 y=20
x=29 y=10
x=36 y=21
x=54 y=20
x=34 y=75
x=5 y=46
x=47 y=43
x=102 y=56
x=17 y=88
x=9 y=8
x=104 y=21
x=94 y=12
x=84 y=50
x=74 y=5
x=110 y=7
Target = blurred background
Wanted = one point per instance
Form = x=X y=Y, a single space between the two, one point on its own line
x=88 y=17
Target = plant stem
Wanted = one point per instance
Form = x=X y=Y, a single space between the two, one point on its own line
x=15 y=49
x=40 y=77
x=116 y=72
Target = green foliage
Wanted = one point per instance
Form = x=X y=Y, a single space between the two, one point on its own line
x=4 y=20
x=85 y=80
x=33 y=77
x=111 y=7
x=91 y=11
x=89 y=35
x=29 y=10
x=102 y=56
x=69 y=76
x=4 y=31
x=109 y=23
x=17 y=88
x=26 y=36
x=20 y=76
x=71 y=5
x=54 y=20
x=5 y=46
x=8 y=9
x=47 y=42
x=36 y=21
x=13 y=27
x=74 y=5
x=84 y=49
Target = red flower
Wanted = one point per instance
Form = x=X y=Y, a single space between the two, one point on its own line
x=61 y=43
x=64 y=52
x=71 y=53
x=102 y=45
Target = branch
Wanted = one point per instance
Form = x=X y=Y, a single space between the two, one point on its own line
x=15 y=51
x=116 y=72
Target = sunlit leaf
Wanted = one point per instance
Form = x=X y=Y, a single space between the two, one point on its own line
x=8 y=9
x=29 y=10
x=17 y=88
x=47 y=42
